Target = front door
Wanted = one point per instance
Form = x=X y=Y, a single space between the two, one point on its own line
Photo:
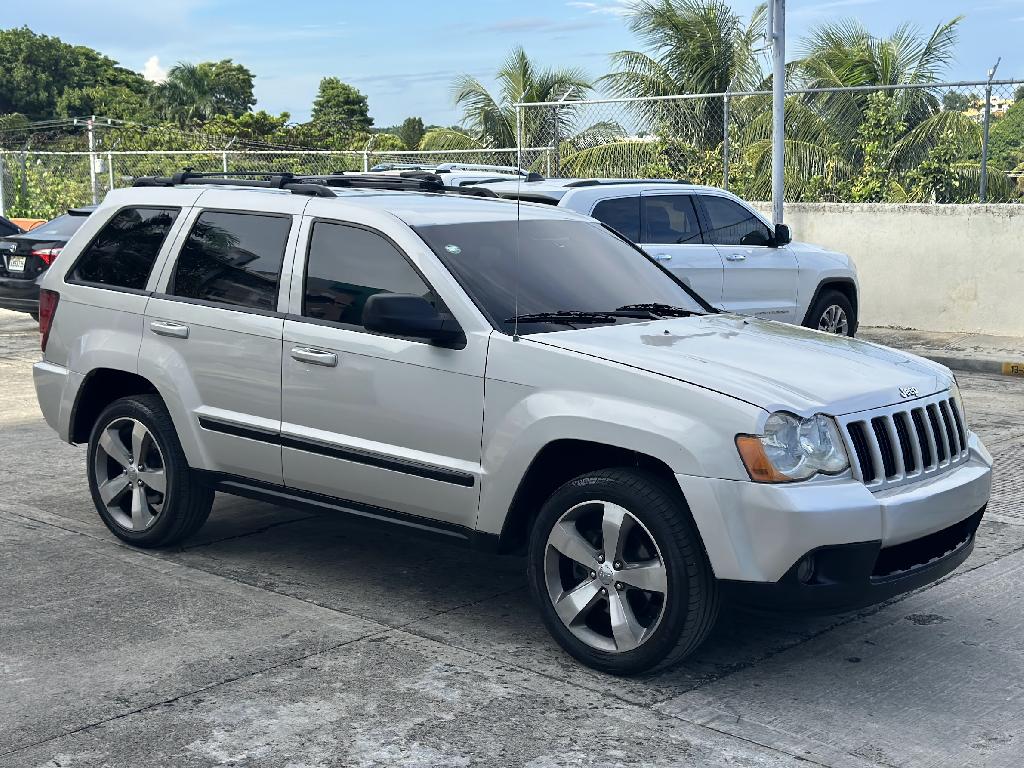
x=368 y=418
x=759 y=279
x=671 y=234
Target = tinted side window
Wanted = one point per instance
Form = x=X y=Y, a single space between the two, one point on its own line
x=670 y=219
x=732 y=224
x=123 y=253
x=347 y=265
x=621 y=214
x=232 y=258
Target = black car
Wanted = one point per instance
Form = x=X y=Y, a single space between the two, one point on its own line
x=8 y=228
x=25 y=257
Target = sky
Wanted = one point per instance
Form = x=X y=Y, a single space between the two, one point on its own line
x=404 y=55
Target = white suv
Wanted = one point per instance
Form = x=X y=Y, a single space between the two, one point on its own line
x=509 y=377
x=715 y=243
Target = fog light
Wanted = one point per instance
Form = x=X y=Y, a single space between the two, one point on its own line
x=805 y=570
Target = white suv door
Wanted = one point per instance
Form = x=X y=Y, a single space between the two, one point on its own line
x=368 y=418
x=758 y=279
x=213 y=330
x=668 y=228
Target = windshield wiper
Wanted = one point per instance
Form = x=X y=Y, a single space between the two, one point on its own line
x=566 y=316
x=663 y=310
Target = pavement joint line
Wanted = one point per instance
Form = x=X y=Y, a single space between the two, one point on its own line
x=254 y=532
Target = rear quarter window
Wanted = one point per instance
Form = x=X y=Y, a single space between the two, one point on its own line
x=123 y=252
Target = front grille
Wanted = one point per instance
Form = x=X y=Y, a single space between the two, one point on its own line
x=904 y=442
x=898 y=559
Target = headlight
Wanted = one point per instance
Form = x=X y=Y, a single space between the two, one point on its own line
x=793 y=448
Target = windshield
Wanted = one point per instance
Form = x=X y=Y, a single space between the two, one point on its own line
x=562 y=266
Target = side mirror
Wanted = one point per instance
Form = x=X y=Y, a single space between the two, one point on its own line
x=403 y=314
x=782 y=234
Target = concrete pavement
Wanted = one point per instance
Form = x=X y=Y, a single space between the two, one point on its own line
x=277 y=638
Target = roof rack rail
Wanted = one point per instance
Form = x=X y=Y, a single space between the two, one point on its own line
x=285 y=181
x=449 y=167
x=401 y=167
x=611 y=182
x=318 y=186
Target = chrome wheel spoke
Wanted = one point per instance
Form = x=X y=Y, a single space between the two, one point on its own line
x=567 y=540
x=649 y=576
x=139 y=435
x=112 y=489
x=141 y=514
x=627 y=631
x=615 y=525
x=573 y=605
x=110 y=442
x=153 y=479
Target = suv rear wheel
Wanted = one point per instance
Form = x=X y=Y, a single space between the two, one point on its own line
x=833 y=313
x=620 y=575
x=140 y=481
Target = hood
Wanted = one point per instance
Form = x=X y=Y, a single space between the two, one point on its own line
x=769 y=364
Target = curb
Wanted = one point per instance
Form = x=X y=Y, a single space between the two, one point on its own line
x=974 y=365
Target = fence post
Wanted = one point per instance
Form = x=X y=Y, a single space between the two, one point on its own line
x=110 y=170
x=3 y=208
x=725 y=141
x=983 y=186
x=92 y=158
x=556 y=140
x=224 y=161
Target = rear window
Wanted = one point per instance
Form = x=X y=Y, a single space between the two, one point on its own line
x=123 y=253
x=63 y=227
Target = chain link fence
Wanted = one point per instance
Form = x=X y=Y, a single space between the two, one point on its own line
x=936 y=143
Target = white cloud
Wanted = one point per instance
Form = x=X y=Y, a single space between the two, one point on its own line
x=607 y=7
x=153 y=71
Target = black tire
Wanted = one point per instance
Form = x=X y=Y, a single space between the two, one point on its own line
x=690 y=607
x=832 y=298
x=188 y=500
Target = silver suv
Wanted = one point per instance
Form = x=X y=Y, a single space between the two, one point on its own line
x=508 y=377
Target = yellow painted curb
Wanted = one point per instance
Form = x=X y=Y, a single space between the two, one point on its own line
x=1013 y=369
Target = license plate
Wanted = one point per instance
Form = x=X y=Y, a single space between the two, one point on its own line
x=16 y=263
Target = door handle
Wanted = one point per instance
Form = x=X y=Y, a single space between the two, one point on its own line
x=314 y=356
x=736 y=257
x=177 y=330
x=663 y=257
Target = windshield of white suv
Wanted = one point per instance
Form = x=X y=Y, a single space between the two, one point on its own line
x=566 y=274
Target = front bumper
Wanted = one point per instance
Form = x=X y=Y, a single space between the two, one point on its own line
x=757 y=534
x=19 y=294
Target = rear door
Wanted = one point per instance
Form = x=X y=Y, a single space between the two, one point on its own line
x=212 y=332
x=671 y=233
x=758 y=279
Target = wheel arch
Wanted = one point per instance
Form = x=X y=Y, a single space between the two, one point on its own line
x=100 y=388
x=844 y=285
x=559 y=461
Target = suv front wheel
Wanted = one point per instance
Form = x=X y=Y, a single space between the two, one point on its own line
x=619 y=573
x=833 y=313
x=141 y=483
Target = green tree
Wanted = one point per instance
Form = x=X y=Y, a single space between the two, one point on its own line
x=491 y=118
x=955 y=101
x=115 y=101
x=876 y=138
x=258 y=126
x=411 y=131
x=36 y=70
x=341 y=107
x=195 y=93
x=232 y=87
x=1006 y=140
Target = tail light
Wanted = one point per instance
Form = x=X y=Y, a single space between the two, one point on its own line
x=47 y=254
x=47 y=309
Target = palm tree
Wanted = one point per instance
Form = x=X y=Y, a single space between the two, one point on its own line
x=491 y=118
x=188 y=95
x=693 y=47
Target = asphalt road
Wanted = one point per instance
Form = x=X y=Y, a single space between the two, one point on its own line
x=277 y=638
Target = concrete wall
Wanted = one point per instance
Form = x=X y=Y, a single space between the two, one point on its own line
x=928 y=267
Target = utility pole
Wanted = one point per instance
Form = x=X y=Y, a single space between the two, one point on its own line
x=777 y=40
x=983 y=190
x=92 y=158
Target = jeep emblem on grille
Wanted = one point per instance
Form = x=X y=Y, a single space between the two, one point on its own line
x=908 y=391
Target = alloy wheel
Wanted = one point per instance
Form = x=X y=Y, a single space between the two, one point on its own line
x=130 y=474
x=834 y=320
x=605 y=576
